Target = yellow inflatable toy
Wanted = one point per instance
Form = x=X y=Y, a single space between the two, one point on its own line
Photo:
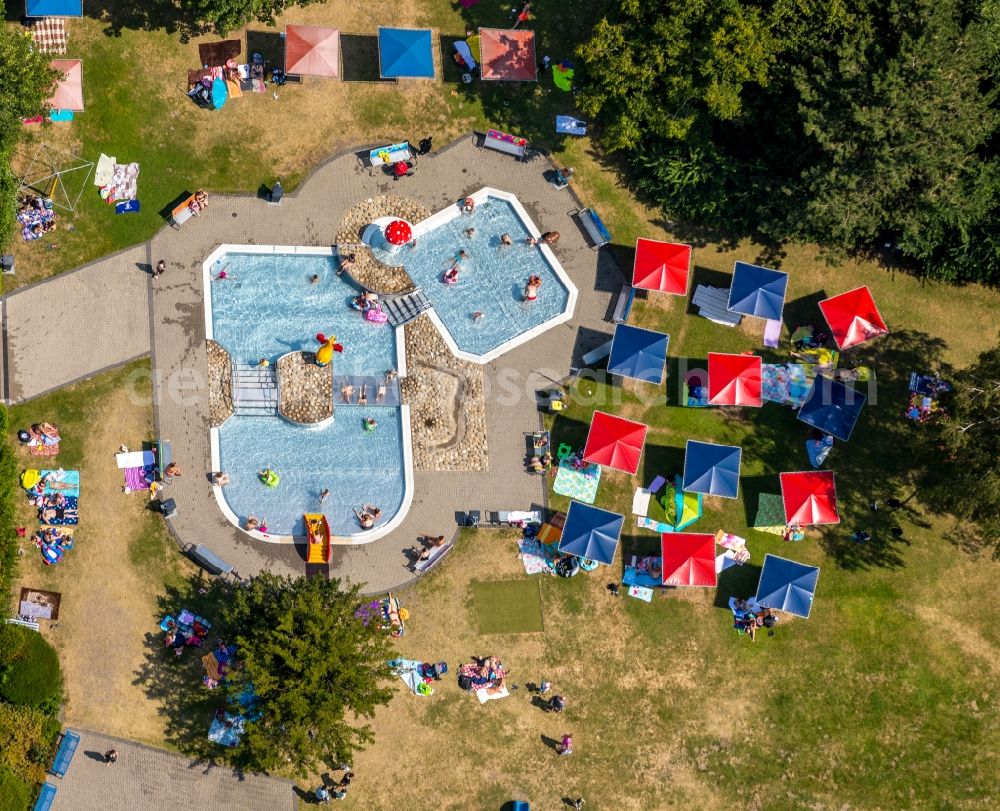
x=30 y=478
x=325 y=353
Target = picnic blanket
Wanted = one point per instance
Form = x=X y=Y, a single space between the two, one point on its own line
x=29 y=219
x=59 y=515
x=534 y=556
x=123 y=183
x=784 y=383
x=62 y=481
x=409 y=671
x=637 y=573
x=226 y=732
x=577 y=484
x=770 y=514
x=49 y=35
x=567 y=125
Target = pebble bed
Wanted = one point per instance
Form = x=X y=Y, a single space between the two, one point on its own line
x=220 y=384
x=447 y=403
x=368 y=270
x=305 y=390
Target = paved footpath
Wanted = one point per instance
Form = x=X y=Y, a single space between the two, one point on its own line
x=76 y=325
x=148 y=779
x=172 y=322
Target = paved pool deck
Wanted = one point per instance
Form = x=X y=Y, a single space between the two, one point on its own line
x=165 y=316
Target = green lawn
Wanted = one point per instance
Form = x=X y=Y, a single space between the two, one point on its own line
x=883 y=698
x=508 y=607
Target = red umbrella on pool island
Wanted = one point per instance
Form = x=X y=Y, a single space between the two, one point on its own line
x=398 y=232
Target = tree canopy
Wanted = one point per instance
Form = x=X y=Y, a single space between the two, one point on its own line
x=963 y=449
x=848 y=124
x=228 y=15
x=313 y=666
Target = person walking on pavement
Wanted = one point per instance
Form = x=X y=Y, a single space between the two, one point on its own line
x=111 y=756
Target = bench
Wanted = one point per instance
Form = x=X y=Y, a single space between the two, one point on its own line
x=46 y=797
x=388 y=155
x=595 y=228
x=505 y=142
x=65 y=752
x=713 y=304
x=181 y=213
x=437 y=553
x=23 y=623
x=209 y=561
x=624 y=306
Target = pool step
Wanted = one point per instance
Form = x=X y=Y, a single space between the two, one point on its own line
x=403 y=309
x=255 y=390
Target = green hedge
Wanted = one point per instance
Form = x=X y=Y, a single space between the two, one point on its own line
x=15 y=794
x=32 y=678
x=8 y=519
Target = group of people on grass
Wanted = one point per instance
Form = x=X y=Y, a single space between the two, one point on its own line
x=37 y=218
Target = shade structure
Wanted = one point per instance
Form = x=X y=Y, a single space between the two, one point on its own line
x=69 y=89
x=809 y=497
x=508 y=55
x=406 y=53
x=53 y=8
x=734 y=379
x=853 y=317
x=615 y=442
x=688 y=559
x=661 y=266
x=590 y=532
x=786 y=585
x=312 y=51
x=638 y=353
x=832 y=407
x=713 y=470
x=758 y=291
x=398 y=232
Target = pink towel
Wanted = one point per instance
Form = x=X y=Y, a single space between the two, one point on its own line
x=135 y=478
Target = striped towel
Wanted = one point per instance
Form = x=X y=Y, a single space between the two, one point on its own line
x=136 y=478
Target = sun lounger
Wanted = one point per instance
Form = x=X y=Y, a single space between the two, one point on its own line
x=437 y=553
x=595 y=227
x=624 y=306
x=505 y=142
x=181 y=213
x=596 y=354
x=713 y=304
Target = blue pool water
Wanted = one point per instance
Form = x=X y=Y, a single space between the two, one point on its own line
x=356 y=467
x=265 y=308
x=491 y=281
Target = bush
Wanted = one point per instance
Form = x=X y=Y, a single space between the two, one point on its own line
x=32 y=678
x=27 y=742
x=8 y=518
x=12 y=643
x=15 y=794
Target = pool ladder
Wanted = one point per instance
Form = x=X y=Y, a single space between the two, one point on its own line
x=255 y=390
x=406 y=307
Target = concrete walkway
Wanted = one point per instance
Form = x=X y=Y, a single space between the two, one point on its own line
x=76 y=325
x=148 y=779
x=312 y=217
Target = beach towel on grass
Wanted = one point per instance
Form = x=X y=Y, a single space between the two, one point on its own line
x=533 y=556
x=123 y=184
x=105 y=170
x=409 y=671
x=62 y=481
x=484 y=694
x=640 y=501
x=641 y=593
x=62 y=515
x=578 y=484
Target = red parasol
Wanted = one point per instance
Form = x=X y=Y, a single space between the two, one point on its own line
x=398 y=232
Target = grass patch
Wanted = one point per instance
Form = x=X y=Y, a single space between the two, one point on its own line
x=508 y=606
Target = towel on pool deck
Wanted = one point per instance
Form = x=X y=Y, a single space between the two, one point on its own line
x=578 y=484
x=484 y=694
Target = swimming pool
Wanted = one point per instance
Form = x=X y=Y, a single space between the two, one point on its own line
x=266 y=306
x=492 y=279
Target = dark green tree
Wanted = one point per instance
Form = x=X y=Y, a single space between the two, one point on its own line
x=26 y=84
x=847 y=124
x=314 y=667
x=963 y=451
x=229 y=15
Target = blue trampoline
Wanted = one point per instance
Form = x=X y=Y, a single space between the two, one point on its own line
x=758 y=291
x=787 y=586
x=638 y=353
x=53 y=8
x=406 y=53
x=713 y=470
x=832 y=407
x=591 y=533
